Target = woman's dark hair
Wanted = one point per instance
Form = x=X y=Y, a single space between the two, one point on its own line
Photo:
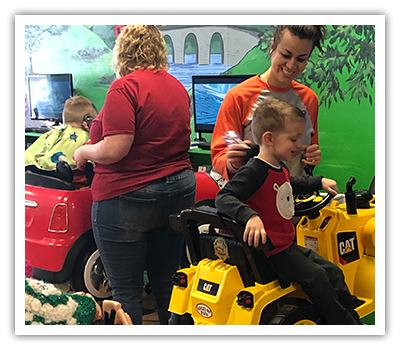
x=314 y=33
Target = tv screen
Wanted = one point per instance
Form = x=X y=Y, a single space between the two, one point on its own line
x=208 y=93
x=47 y=94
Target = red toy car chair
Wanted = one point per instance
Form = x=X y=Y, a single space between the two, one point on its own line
x=206 y=189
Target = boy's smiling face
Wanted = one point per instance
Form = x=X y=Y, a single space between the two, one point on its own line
x=287 y=143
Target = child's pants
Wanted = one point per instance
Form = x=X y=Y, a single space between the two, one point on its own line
x=320 y=279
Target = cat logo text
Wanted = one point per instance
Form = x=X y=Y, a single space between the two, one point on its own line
x=347 y=247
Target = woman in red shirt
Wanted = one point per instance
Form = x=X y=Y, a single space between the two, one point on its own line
x=140 y=143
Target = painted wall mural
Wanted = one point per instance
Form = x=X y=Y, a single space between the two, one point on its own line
x=343 y=77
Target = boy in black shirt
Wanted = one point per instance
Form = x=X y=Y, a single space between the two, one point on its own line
x=261 y=195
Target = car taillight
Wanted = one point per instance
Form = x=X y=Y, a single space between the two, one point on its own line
x=59 y=219
x=179 y=279
x=245 y=299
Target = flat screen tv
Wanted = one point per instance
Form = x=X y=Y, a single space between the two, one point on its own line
x=47 y=94
x=208 y=93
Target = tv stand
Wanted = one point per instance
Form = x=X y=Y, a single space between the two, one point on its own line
x=203 y=143
x=199 y=138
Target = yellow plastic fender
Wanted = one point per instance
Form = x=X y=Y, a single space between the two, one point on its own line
x=263 y=295
x=180 y=298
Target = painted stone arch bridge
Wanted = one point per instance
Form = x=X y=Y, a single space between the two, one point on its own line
x=235 y=42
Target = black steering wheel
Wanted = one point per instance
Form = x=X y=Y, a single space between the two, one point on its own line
x=311 y=205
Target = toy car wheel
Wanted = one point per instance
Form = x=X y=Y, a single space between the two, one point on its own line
x=311 y=205
x=291 y=311
x=180 y=320
x=95 y=278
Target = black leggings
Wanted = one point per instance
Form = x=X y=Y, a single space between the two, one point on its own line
x=320 y=279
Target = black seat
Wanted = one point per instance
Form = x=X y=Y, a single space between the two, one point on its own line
x=236 y=257
x=253 y=265
x=47 y=182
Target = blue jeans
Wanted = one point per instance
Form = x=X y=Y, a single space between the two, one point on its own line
x=133 y=234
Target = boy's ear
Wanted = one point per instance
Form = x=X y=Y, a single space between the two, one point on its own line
x=267 y=138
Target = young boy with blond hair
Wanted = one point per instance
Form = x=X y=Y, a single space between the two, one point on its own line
x=59 y=144
x=261 y=196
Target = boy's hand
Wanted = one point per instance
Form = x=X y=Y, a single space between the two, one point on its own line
x=254 y=230
x=329 y=186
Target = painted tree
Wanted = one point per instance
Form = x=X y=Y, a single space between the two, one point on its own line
x=347 y=67
x=34 y=35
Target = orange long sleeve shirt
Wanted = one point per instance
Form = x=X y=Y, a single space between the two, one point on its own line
x=237 y=110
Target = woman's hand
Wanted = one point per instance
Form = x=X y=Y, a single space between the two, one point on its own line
x=110 y=150
x=254 y=231
x=312 y=155
x=236 y=154
x=80 y=158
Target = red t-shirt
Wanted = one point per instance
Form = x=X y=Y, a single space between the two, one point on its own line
x=155 y=108
x=258 y=188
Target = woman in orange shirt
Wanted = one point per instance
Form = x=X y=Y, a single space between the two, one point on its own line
x=291 y=48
